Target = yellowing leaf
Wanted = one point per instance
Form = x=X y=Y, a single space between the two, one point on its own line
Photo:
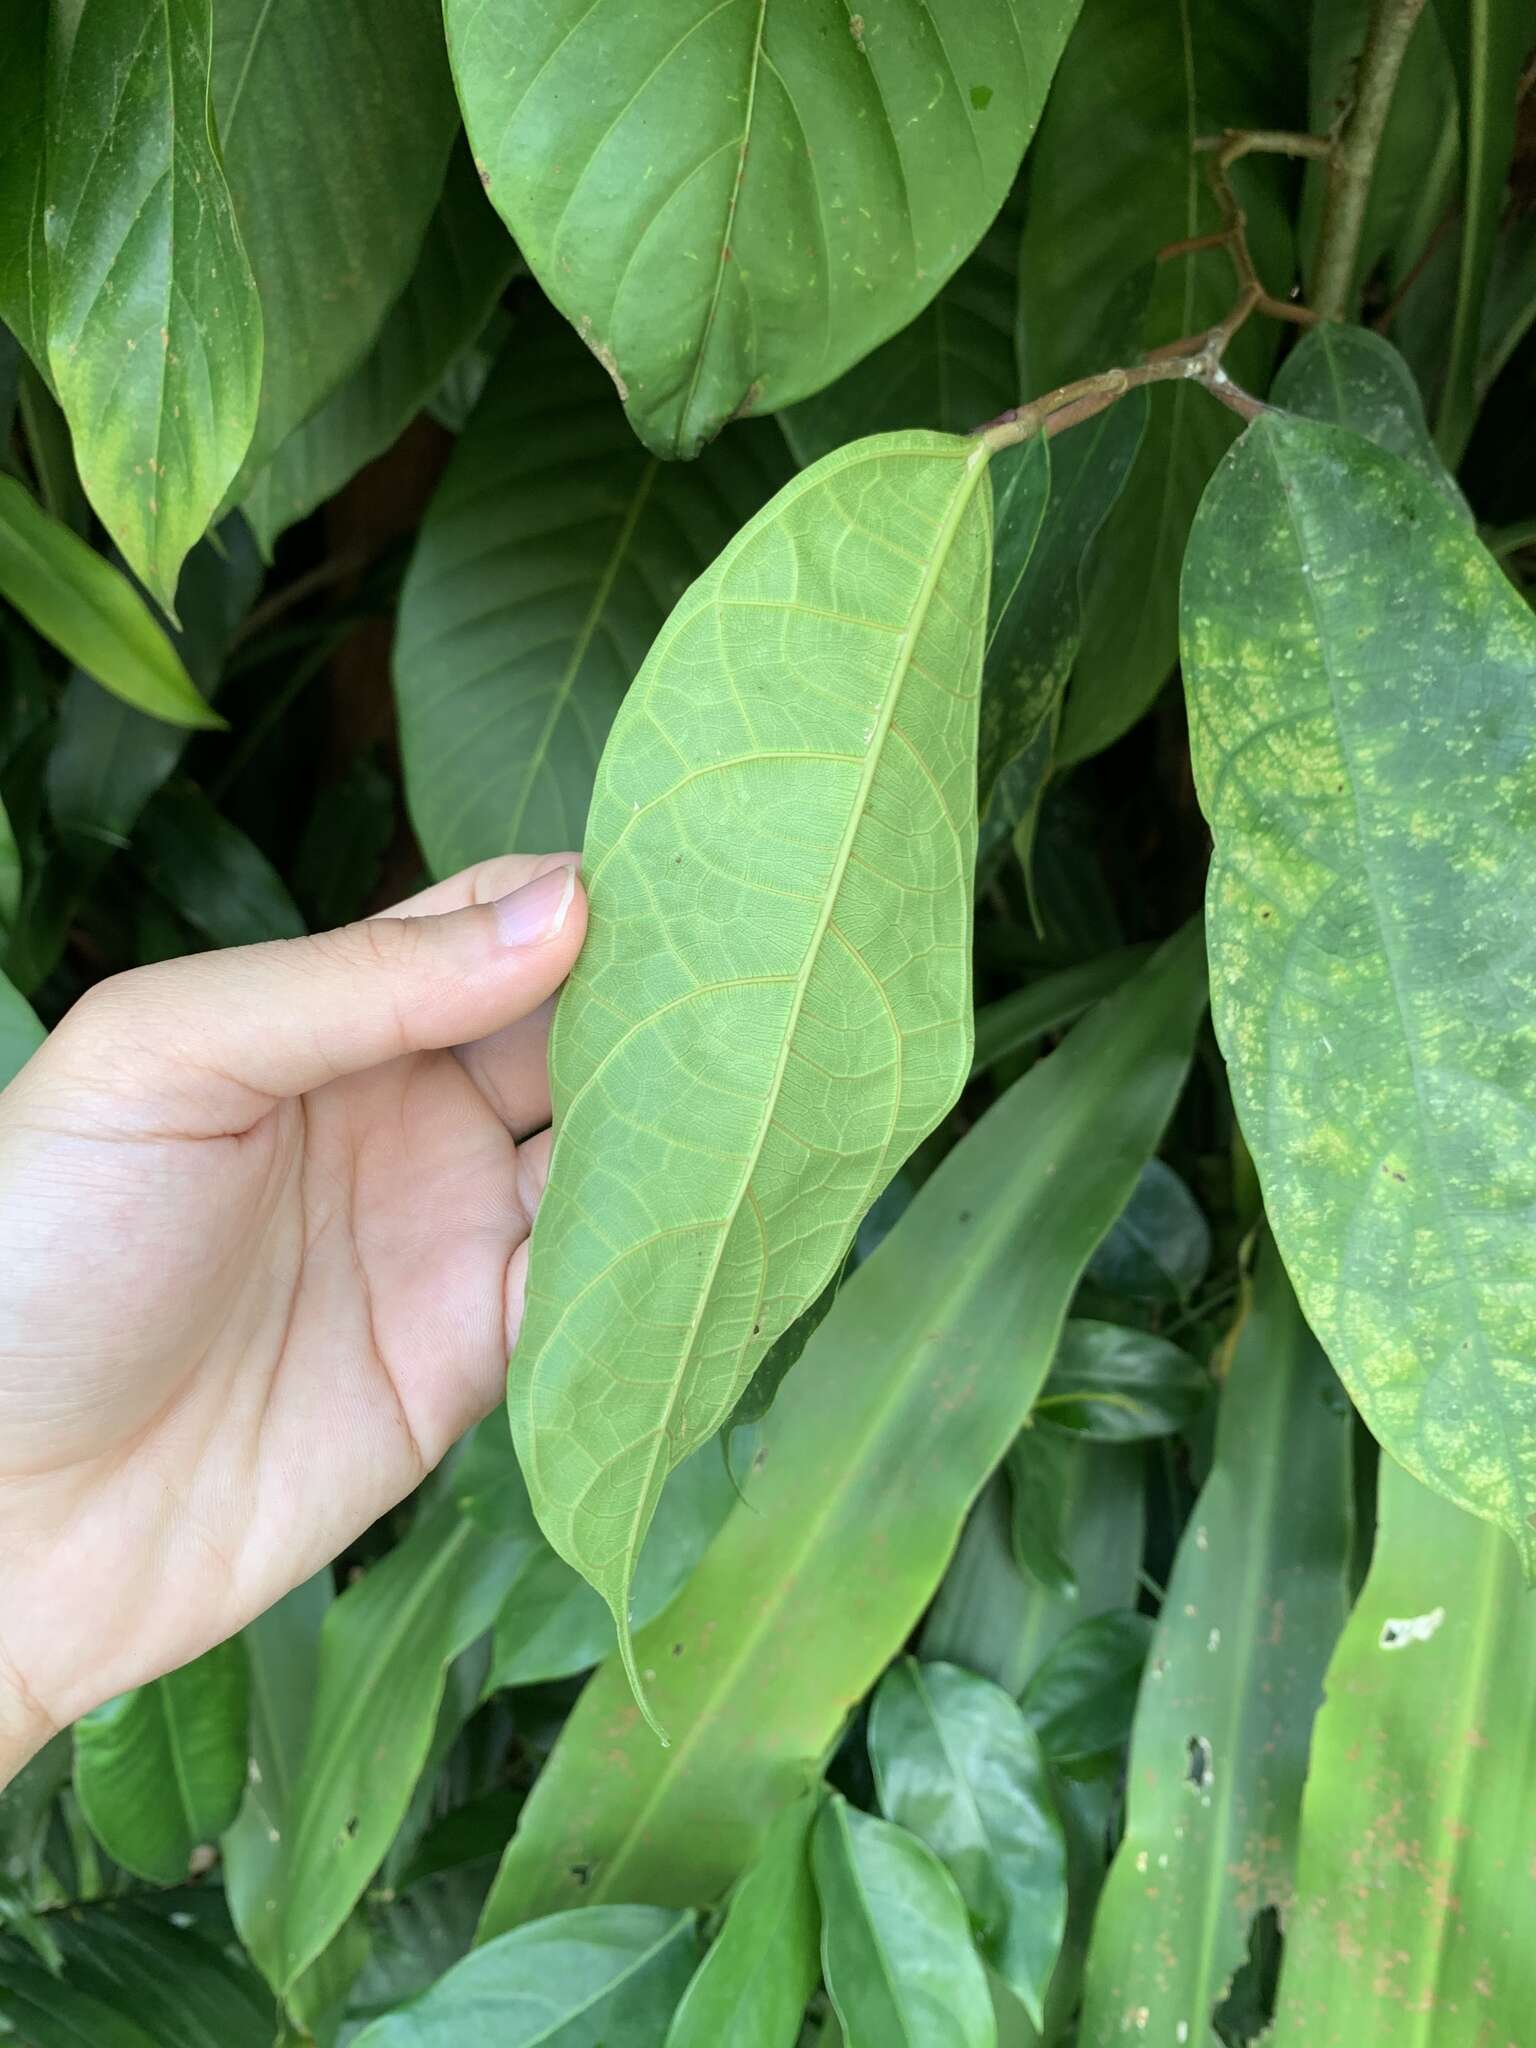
x=773 y=1004
x=1360 y=685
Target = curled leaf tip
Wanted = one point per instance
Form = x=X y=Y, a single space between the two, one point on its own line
x=632 y=1673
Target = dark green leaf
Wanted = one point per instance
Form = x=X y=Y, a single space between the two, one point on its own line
x=895 y=1945
x=1358 y=671
x=1255 y=1604
x=159 y=1771
x=1489 y=42
x=952 y=368
x=108 y=759
x=1120 y=1385
x=1084 y=1509
x=595 y=1978
x=1081 y=1699
x=546 y=566
x=336 y=869
x=733 y=205
x=23 y=176
x=752 y=1987
x=154 y=324
x=213 y=876
x=91 y=612
x=336 y=123
x=1014 y=1022
x=176 y=1980
x=1160 y=1245
x=874 y=1449
x=958 y=1765
x=1113 y=179
x=464 y=264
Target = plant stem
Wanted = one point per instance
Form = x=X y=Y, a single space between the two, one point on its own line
x=1196 y=360
x=1353 y=156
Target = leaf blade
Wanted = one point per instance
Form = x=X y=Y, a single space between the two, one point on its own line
x=657 y=988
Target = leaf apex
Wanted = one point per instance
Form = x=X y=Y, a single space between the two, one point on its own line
x=632 y=1669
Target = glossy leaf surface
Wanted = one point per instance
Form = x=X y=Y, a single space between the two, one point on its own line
x=216 y=878
x=154 y=325
x=732 y=204
x=602 y=1975
x=1160 y=1244
x=547 y=564
x=91 y=612
x=772 y=1006
x=1081 y=1698
x=1120 y=1384
x=335 y=123
x=752 y=1987
x=896 y=1946
x=1257 y=1598
x=879 y=1439
x=465 y=261
x=1113 y=179
x=159 y=1771
x=1358 y=672
x=23 y=172
x=958 y=1766
x=1423 y=1772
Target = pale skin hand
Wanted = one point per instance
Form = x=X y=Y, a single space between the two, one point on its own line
x=263 y=1238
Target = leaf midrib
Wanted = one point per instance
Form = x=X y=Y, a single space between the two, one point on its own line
x=975 y=465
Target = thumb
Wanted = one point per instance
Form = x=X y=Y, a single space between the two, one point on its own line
x=204 y=1046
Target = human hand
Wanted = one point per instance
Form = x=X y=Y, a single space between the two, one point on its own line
x=264 y=1242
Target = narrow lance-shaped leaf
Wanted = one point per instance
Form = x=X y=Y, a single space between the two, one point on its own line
x=895 y=1943
x=159 y=1770
x=1219 y=1750
x=878 y=1442
x=772 y=1007
x=91 y=612
x=545 y=567
x=20 y=1032
x=732 y=204
x=580 y=1980
x=23 y=172
x=958 y=1765
x=752 y=1987
x=1423 y=1775
x=154 y=326
x=1359 y=679
x=384 y=1653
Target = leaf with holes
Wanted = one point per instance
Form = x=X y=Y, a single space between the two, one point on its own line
x=734 y=203
x=773 y=1006
x=154 y=326
x=1359 y=681
x=1423 y=1774
x=1219 y=1749
x=545 y=568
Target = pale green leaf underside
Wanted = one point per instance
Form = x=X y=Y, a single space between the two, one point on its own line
x=1360 y=682
x=154 y=327
x=734 y=201
x=547 y=563
x=773 y=1004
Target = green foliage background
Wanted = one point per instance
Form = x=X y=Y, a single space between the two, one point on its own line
x=1070 y=1508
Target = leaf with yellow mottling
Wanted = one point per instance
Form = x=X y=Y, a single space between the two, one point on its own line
x=1360 y=681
